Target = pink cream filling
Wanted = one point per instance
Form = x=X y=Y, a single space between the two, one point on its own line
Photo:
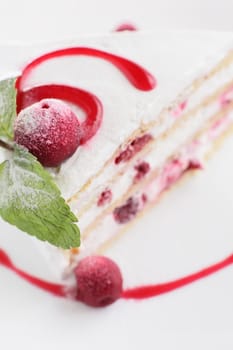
x=171 y=172
x=176 y=112
x=226 y=97
x=134 y=147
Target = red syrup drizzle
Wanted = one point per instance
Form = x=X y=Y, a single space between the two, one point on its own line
x=150 y=291
x=141 y=292
x=87 y=101
x=126 y=27
x=137 y=76
x=53 y=288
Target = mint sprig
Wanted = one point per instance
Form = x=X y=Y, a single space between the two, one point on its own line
x=29 y=198
x=31 y=201
x=7 y=107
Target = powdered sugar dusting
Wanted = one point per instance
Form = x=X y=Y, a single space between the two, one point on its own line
x=28 y=122
x=7 y=107
x=16 y=190
x=49 y=130
x=2 y=102
x=29 y=119
x=5 y=89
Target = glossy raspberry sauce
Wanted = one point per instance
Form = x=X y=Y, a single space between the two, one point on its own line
x=139 y=77
x=153 y=290
x=126 y=27
x=140 y=292
x=53 y=288
x=90 y=103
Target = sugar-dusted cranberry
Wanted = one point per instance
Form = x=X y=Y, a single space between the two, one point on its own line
x=127 y=211
x=105 y=197
x=141 y=170
x=134 y=147
x=99 y=281
x=50 y=130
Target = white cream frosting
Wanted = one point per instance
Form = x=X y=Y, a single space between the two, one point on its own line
x=174 y=58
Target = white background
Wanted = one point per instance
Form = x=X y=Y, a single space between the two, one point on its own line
x=197 y=317
x=30 y=19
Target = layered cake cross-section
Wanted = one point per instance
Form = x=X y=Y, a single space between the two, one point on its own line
x=151 y=106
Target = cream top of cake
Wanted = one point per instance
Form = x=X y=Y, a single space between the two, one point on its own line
x=174 y=58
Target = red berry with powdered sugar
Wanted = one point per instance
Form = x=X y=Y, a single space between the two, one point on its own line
x=99 y=281
x=50 y=130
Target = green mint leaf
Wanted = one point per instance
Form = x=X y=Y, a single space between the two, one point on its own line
x=7 y=107
x=30 y=200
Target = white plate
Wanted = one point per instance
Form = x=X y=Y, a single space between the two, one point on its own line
x=190 y=228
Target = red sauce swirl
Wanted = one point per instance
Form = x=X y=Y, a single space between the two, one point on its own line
x=92 y=106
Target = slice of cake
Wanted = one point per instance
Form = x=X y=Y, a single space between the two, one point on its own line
x=151 y=107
